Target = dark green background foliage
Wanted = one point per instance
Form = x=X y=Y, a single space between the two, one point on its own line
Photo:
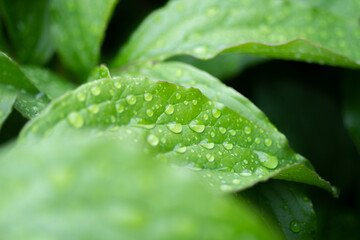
x=179 y=119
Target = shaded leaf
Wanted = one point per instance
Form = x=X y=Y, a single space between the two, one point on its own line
x=84 y=192
x=47 y=82
x=78 y=28
x=287 y=204
x=182 y=125
x=7 y=100
x=28 y=26
x=279 y=29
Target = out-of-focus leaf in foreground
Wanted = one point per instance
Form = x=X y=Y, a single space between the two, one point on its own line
x=182 y=125
x=78 y=28
x=28 y=26
x=280 y=29
x=73 y=188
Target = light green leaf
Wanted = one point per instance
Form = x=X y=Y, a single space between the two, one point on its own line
x=47 y=82
x=99 y=72
x=7 y=100
x=287 y=204
x=106 y=190
x=351 y=86
x=182 y=125
x=29 y=102
x=279 y=29
x=28 y=26
x=78 y=28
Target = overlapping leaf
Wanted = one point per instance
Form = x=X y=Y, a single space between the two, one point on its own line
x=280 y=29
x=78 y=28
x=182 y=125
x=80 y=189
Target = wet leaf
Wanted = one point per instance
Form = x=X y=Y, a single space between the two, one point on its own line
x=280 y=29
x=78 y=28
x=7 y=100
x=99 y=72
x=180 y=124
x=104 y=189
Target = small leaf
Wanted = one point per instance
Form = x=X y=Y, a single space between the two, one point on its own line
x=204 y=29
x=47 y=82
x=99 y=72
x=182 y=125
x=287 y=204
x=73 y=188
x=7 y=100
x=78 y=28
x=29 y=102
x=29 y=29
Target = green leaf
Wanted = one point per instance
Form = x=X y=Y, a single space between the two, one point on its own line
x=28 y=26
x=182 y=125
x=78 y=28
x=104 y=189
x=29 y=101
x=351 y=86
x=7 y=100
x=279 y=29
x=47 y=82
x=99 y=72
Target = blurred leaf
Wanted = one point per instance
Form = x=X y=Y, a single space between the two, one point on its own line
x=47 y=82
x=287 y=204
x=7 y=100
x=28 y=26
x=108 y=190
x=99 y=72
x=78 y=28
x=351 y=86
x=279 y=29
x=29 y=102
x=182 y=125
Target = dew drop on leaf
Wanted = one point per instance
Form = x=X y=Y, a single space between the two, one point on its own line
x=295 y=226
x=81 y=96
x=148 y=97
x=247 y=130
x=210 y=157
x=257 y=140
x=267 y=160
x=180 y=148
x=117 y=85
x=232 y=132
x=95 y=91
x=178 y=95
x=246 y=173
x=174 y=127
x=228 y=146
x=222 y=130
x=153 y=140
x=131 y=99
x=197 y=126
x=169 y=109
x=119 y=108
x=149 y=112
x=216 y=113
x=268 y=142
x=75 y=119
x=207 y=145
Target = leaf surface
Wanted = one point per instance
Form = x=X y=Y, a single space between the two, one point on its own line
x=78 y=28
x=84 y=192
x=28 y=26
x=279 y=29
x=180 y=124
x=7 y=100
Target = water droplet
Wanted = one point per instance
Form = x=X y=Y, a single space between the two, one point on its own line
x=119 y=108
x=268 y=142
x=197 y=126
x=149 y=112
x=180 y=148
x=174 y=127
x=117 y=85
x=112 y=119
x=295 y=226
x=216 y=113
x=111 y=92
x=225 y=187
x=257 y=140
x=186 y=102
x=212 y=134
x=194 y=102
x=169 y=109
x=261 y=171
x=148 y=97
x=153 y=140
x=206 y=144
x=222 y=130
x=210 y=157
x=200 y=49
x=81 y=96
x=236 y=181
x=248 y=139
x=178 y=95
x=247 y=130
x=95 y=91
x=246 y=173
x=228 y=146
x=93 y=108
x=75 y=119
x=232 y=132
x=131 y=99
x=267 y=160
x=179 y=72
